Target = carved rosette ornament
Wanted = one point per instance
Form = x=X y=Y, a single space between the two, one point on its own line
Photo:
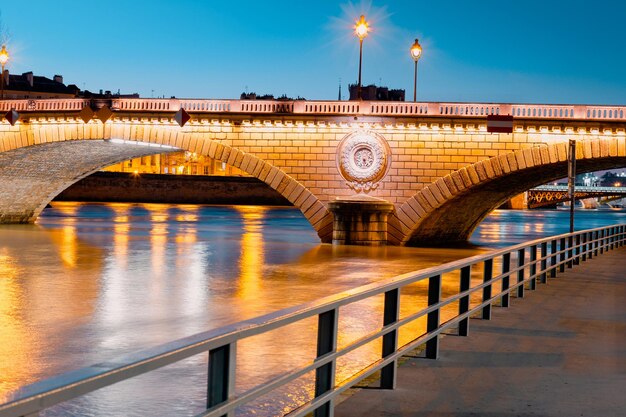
x=363 y=159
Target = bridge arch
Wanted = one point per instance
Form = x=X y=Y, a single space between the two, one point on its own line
x=449 y=209
x=29 y=179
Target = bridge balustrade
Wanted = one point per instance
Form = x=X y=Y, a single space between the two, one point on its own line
x=466 y=110
x=43 y=105
x=521 y=267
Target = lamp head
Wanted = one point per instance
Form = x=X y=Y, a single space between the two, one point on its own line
x=4 y=55
x=361 y=28
x=416 y=51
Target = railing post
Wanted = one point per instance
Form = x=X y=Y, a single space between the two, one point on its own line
x=521 y=258
x=612 y=237
x=487 y=275
x=506 y=267
x=221 y=375
x=464 y=285
x=432 y=320
x=325 y=374
x=562 y=255
x=583 y=248
x=533 y=268
x=577 y=250
x=544 y=262
x=390 y=340
x=570 y=251
x=553 y=258
x=600 y=242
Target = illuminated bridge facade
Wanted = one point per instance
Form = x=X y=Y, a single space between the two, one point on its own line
x=435 y=164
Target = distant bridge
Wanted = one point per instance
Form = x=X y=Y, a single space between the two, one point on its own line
x=435 y=164
x=546 y=195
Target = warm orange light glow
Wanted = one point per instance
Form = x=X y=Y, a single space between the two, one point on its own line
x=252 y=252
x=618 y=184
x=416 y=51
x=361 y=28
x=4 y=56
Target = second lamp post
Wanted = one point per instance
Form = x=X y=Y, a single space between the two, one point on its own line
x=360 y=29
x=416 y=53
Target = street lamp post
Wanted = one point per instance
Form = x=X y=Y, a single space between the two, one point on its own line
x=4 y=58
x=360 y=29
x=416 y=53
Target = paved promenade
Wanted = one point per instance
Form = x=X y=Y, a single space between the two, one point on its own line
x=561 y=351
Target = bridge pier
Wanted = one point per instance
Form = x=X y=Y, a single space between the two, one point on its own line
x=360 y=220
x=519 y=202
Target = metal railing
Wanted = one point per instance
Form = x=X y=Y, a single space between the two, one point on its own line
x=315 y=107
x=521 y=268
x=581 y=189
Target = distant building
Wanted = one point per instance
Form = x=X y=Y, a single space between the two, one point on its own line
x=372 y=92
x=28 y=85
x=254 y=96
x=106 y=94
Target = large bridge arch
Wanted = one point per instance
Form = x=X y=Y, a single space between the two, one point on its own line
x=30 y=177
x=79 y=150
x=449 y=209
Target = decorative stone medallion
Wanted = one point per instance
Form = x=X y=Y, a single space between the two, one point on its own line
x=363 y=159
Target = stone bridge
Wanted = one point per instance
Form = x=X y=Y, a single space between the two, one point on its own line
x=436 y=165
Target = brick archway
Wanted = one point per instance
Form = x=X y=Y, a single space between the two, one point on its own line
x=311 y=207
x=30 y=177
x=449 y=209
x=33 y=174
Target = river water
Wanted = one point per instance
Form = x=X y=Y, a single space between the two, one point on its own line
x=89 y=282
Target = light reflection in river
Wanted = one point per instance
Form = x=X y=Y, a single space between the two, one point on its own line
x=93 y=281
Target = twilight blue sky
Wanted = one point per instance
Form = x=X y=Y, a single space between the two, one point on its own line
x=531 y=51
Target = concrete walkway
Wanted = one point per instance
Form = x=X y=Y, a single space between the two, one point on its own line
x=561 y=351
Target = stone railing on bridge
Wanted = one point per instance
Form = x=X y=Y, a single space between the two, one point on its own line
x=347 y=108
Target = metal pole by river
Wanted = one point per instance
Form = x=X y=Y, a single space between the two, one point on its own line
x=571 y=181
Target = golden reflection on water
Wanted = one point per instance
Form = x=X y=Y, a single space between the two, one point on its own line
x=66 y=239
x=114 y=280
x=189 y=215
x=158 y=237
x=48 y=283
x=252 y=256
x=17 y=343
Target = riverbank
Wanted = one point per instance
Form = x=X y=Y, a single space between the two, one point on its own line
x=121 y=187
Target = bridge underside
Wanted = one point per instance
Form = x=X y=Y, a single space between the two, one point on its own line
x=31 y=177
x=456 y=219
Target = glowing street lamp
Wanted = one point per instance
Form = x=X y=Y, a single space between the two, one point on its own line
x=4 y=58
x=416 y=53
x=360 y=29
